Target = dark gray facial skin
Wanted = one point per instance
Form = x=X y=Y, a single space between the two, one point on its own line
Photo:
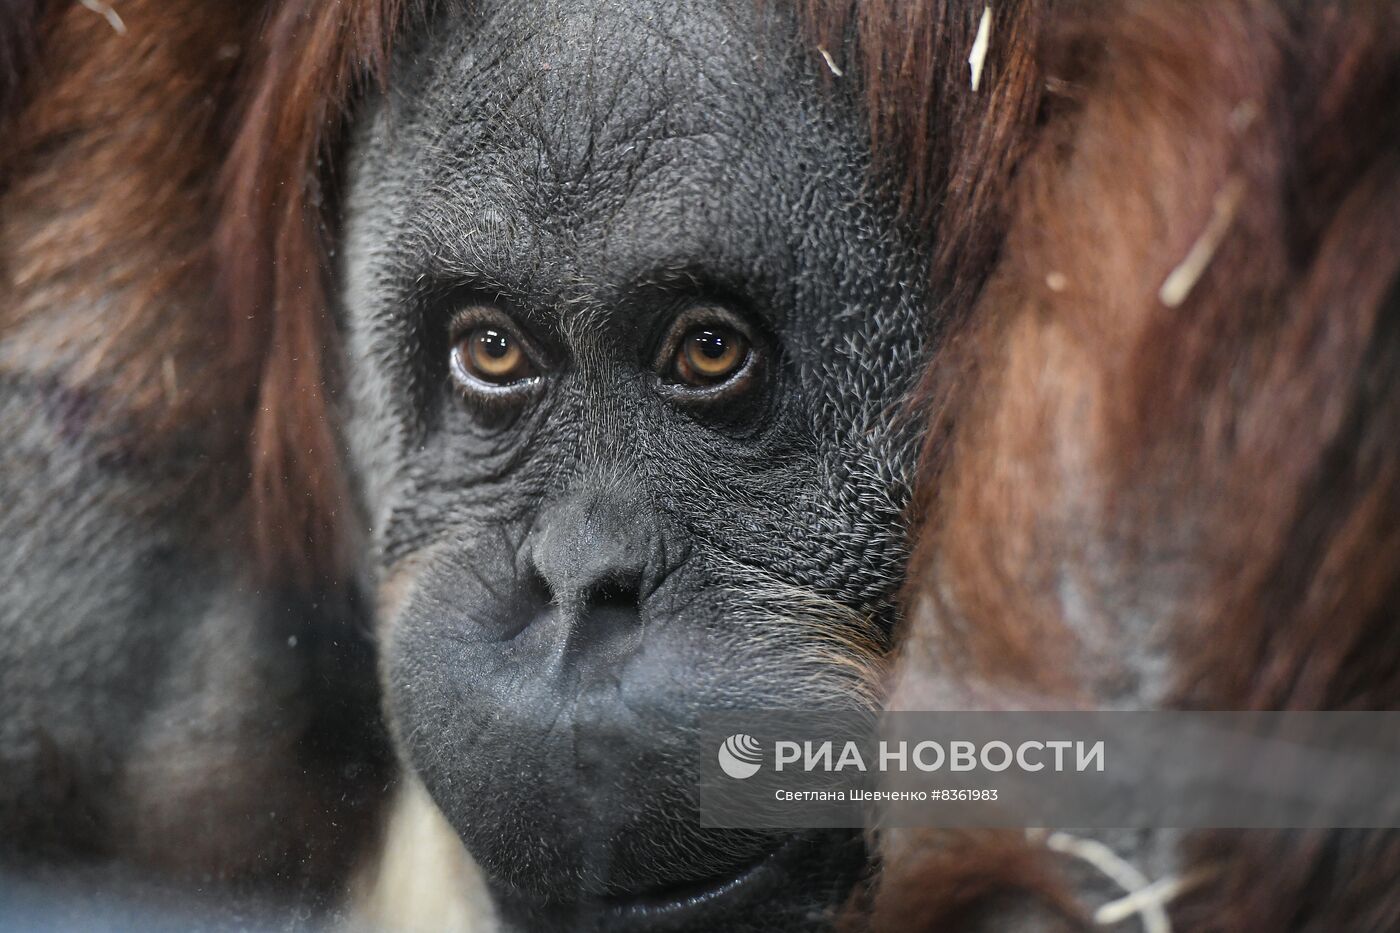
x=569 y=573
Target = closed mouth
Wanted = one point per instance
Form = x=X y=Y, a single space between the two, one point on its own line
x=773 y=891
x=703 y=900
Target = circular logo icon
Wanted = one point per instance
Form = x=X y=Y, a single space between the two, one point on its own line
x=740 y=756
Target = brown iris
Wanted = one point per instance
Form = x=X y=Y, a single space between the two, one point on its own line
x=710 y=354
x=491 y=354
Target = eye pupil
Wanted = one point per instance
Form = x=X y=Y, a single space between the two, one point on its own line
x=711 y=344
x=494 y=344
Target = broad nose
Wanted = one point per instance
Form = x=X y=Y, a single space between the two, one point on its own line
x=592 y=550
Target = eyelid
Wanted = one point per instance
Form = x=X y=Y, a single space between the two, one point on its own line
x=464 y=319
x=462 y=323
x=697 y=316
x=740 y=384
x=472 y=316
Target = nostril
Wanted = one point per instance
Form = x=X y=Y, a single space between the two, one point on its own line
x=536 y=587
x=615 y=591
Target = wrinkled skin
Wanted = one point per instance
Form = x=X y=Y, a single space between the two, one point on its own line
x=568 y=577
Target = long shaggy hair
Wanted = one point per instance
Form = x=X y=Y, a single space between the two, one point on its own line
x=166 y=175
x=1162 y=468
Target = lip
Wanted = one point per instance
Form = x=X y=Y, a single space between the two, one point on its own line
x=764 y=894
x=717 y=903
x=679 y=900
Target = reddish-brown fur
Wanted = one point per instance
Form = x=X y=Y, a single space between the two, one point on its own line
x=105 y=173
x=1219 y=474
x=109 y=205
x=170 y=176
x=273 y=241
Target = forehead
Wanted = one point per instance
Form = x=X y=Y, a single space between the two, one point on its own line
x=582 y=84
x=594 y=140
x=574 y=75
